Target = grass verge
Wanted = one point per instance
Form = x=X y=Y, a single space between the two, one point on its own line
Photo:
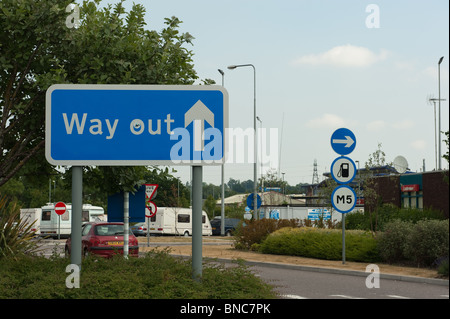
x=155 y=276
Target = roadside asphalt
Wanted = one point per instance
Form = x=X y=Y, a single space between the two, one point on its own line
x=221 y=251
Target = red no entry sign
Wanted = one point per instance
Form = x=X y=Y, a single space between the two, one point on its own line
x=150 y=209
x=60 y=208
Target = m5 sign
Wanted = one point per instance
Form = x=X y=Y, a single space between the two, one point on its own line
x=343 y=199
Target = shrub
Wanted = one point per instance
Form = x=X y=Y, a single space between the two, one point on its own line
x=391 y=242
x=386 y=213
x=255 y=231
x=156 y=276
x=15 y=233
x=422 y=243
x=428 y=241
x=321 y=243
x=443 y=266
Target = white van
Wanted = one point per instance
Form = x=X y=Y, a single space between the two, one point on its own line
x=176 y=221
x=32 y=216
x=49 y=219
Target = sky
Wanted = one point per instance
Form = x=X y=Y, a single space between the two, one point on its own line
x=369 y=66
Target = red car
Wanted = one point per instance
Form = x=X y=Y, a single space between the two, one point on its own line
x=104 y=239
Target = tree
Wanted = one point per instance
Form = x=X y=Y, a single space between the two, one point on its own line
x=371 y=196
x=30 y=38
x=110 y=46
x=209 y=206
x=271 y=180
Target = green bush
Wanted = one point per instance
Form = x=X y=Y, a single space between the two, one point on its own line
x=15 y=234
x=384 y=214
x=321 y=243
x=156 y=276
x=391 y=242
x=428 y=241
x=421 y=243
x=443 y=267
x=252 y=233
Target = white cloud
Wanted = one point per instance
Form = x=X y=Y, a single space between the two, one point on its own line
x=419 y=144
x=343 y=56
x=376 y=126
x=403 y=125
x=327 y=120
x=432 y=72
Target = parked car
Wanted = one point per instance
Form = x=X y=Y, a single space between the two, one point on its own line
x=104 y=239
x=139 y=229
x=230 y=225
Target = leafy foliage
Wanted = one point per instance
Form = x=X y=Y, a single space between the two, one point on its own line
x=156 y=276
x=16 y=235
x=422 y=243
x=387 y=213
x=110 y=46
x=321 y=243
x=251 y=233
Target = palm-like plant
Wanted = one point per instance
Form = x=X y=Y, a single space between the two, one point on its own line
x=15 y=233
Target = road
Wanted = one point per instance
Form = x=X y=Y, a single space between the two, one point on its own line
x=300 y=284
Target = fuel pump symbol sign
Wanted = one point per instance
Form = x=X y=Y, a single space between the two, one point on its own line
x=343 y=170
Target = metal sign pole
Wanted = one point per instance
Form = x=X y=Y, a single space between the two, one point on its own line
x=126 y=228
x=77 y=205
x=148 y=231
x=343 y=238
x=197 y=222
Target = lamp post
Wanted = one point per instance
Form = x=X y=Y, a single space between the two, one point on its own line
x=439 y=130
x=255 y=182
x=261 y=160
x=222 y=205
x=432 y=100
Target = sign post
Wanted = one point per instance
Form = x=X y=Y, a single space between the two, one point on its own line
x=197 y=222
x=77 y=208
x=343 y=171
x=150 y=207
x=113 y=125
x=60 y=209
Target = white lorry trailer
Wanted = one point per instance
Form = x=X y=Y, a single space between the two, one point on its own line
x=176 y=221
x=32 y=216
x=52 y=224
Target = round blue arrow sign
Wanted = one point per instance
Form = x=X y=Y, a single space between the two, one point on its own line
x=343 y=141
x=250 y=201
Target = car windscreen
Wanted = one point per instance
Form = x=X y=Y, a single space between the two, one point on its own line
x=109 y=230
x=215 y=222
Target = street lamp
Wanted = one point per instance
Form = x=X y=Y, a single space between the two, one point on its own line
x=255 y=182
x=433 y=100
x=439 y=130
x=222 y=205
x=260 y=148
x=261 y=160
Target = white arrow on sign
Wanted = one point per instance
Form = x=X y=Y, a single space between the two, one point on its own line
x=199 y=113
x=348 y=141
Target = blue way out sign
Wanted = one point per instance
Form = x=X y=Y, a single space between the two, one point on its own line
x=135 y=124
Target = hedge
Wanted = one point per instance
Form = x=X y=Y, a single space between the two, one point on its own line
x=321 y=243
x=423 y=243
